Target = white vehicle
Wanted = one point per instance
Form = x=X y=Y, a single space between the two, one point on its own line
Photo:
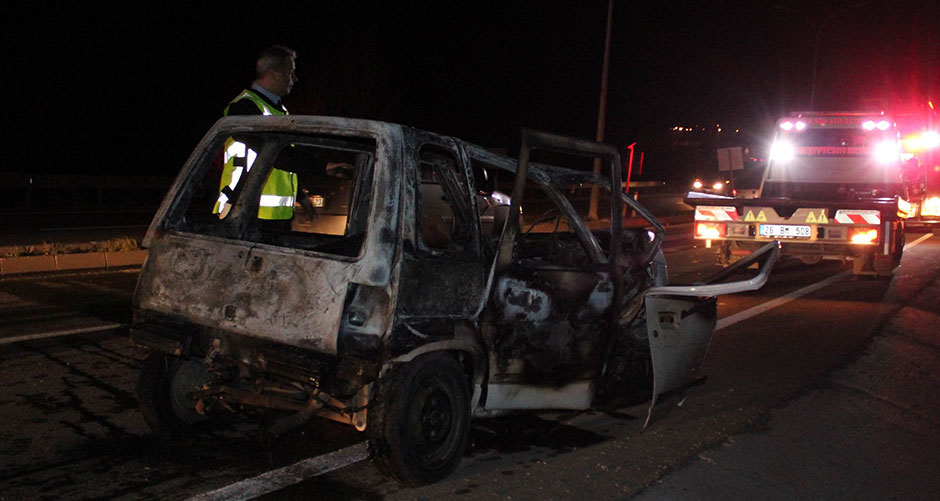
x=832 y=189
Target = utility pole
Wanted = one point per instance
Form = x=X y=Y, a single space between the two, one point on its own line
x=602 y=112
x=812 y=88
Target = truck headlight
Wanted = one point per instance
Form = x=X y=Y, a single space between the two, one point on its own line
x=782 y=151
x=887 y=152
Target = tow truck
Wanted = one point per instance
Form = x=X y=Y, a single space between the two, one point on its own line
x=832 y=189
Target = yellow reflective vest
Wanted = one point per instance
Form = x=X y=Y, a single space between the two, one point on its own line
x=279 y=191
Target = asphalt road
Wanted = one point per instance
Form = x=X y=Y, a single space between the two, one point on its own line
x=71 y=428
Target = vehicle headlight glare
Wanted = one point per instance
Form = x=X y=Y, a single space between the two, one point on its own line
x=782 y=151
x=931 y=139
x=887 y=152
x=931 y=207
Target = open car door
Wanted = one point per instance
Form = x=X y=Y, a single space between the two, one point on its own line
x=680 y=320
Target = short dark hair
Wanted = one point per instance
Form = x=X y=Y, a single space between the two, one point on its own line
x=275 y=57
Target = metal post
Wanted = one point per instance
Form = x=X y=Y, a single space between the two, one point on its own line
x=602 y=111
x=812 y=90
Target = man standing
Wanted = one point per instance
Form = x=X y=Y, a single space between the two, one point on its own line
x=275 y=75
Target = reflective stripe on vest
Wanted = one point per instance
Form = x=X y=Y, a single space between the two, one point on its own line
x=264 y=106
x=277 y=196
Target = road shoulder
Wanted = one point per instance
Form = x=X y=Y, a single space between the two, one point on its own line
x=871 y=430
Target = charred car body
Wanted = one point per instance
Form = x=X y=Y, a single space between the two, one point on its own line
x=408 y=307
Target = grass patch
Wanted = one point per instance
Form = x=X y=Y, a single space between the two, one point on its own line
x=120 y=244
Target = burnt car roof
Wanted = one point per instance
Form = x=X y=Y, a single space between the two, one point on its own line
x=539 y=172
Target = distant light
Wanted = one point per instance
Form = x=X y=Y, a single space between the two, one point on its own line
x=737 y=130
x=719 y=129
x=883 y=125
x=930 y=103
x=869 y=125
x=786 y=125
x=697 y=184
x=800 y=125
x=718 y=186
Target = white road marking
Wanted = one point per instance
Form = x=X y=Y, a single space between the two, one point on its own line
x=782 y=300
x=919 y=240
x=289 y=475
x=66 y=332
x=769 y=305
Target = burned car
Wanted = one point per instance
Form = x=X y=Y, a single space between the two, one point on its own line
x=397 y=303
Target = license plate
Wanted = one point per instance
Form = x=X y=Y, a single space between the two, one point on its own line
x=784 y=230
x=317 y=200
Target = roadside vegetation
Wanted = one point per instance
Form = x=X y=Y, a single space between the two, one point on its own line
x=121 y=244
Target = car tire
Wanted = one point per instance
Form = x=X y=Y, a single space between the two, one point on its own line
x=419 y=419
x=163 y=387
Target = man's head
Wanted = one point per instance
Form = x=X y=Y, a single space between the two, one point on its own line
x=275 y=69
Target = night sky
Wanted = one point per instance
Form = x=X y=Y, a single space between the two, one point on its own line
x=121 y=89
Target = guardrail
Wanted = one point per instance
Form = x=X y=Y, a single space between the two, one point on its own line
x=45 y=193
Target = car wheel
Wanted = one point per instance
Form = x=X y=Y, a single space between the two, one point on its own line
x=419 y=419
x=163 y=390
